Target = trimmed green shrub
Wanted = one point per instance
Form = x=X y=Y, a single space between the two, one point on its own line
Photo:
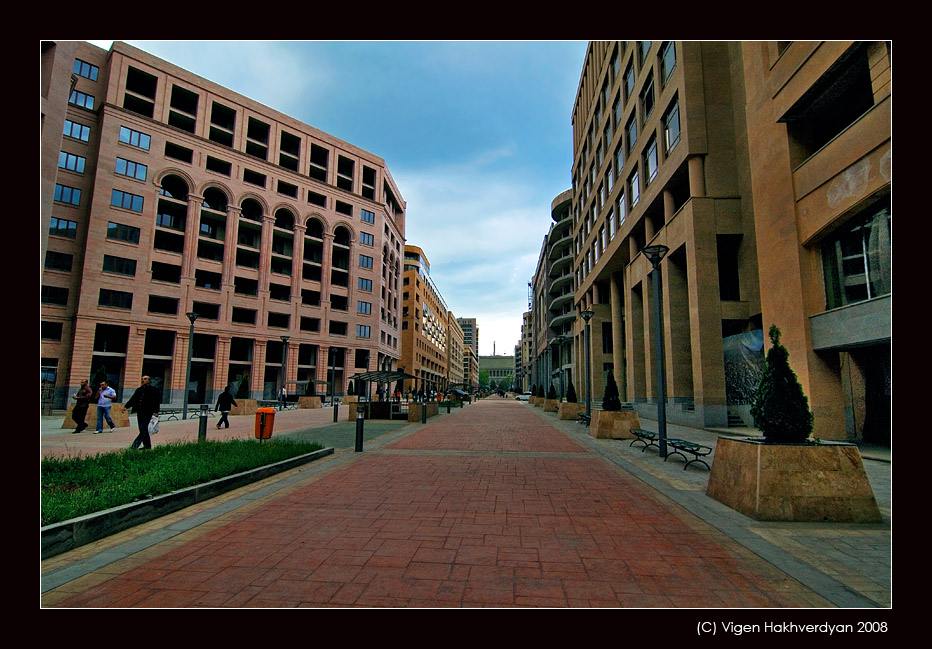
x=780 y=408
x=552 y=393
x=571 y=393
x=610 y=400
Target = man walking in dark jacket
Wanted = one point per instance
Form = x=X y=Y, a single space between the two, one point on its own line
x=224 y=402
x=145 y=402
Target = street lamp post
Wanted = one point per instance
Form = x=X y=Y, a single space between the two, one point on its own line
x=332 y=357
x=654 y=255
x=285 y=340
x=587 y=316
x=187 y=375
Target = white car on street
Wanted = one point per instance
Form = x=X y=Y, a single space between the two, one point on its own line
x=523 y=397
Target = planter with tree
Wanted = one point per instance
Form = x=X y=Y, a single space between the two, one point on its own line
x=551 y=403
x=244 y=405
x=611 y=422
x=570 y=409
x=784 y=475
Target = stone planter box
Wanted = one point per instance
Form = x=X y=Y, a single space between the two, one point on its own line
x=793 y=482
x=245 y=407
x=537 y=402
x=414 y=410
x=551 y=405
x=570 y=410
x=118 y=414
x=613 y=424
x=350 y=398
x=308 y=403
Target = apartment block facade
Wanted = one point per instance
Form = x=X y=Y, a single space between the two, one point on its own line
x=426 y=335
x=178 y=205
x=763 y=169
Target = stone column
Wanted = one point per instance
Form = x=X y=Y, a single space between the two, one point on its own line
x=618 y=335
x=297 y=269
x=222 y=363
x=191 y=228
x=326 y=263
x=229 y=246
x=257 y=380
x=265 y=254
x=696 y=176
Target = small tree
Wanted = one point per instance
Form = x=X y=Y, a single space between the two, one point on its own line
x=352 y=388
x=571 y=393
x=533 y=390
x=552 y=393
x=311 y=389
x=780 y=408
x=610 y=400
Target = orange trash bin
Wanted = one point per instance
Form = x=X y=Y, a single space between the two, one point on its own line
x=265 y=421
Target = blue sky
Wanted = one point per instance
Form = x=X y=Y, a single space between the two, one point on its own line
x=477 y=135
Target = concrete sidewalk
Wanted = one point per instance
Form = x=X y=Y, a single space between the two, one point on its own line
x=496 y=504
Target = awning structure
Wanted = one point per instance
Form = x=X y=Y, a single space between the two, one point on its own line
x=305 y=382
x=382 y=376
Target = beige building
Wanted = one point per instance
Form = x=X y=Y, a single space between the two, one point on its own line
x=425 y=334
x=455 y=349
x=763 y=169
x=175 y=204
x=499 y=367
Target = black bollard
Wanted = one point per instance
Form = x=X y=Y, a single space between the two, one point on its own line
x=359 y=430
x=202 y=424
x=424 y=412
x=448 y=407
x=336 y=411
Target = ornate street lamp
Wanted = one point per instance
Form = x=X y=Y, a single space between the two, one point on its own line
x=654 y=254
x=187 y=375
x=587 y=316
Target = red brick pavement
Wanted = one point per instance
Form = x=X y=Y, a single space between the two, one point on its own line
x=492 y=506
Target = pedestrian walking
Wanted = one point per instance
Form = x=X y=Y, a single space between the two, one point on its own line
x=224 y=403
x=81 y=402
x=104 y=398
x=283 y=396
x=145 y=402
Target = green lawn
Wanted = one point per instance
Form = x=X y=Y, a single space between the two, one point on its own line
x=79 y=486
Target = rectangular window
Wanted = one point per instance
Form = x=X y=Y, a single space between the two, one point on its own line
x=82 y=100
x=631 y=133
x=364 y=307
x=634 y=190
x=344 y=208
x=345 y=169
x=316 y=199
x=58 y=261
x=362 y=331
x=222 y=124
x=65 y=194
x=622 y=209
x=163 y=305
x=366 y=238
x=337 y=328
x=365 y=261
x=54 y=295
x=63 y=228
x=628 y=83
x=119 y=265
x=50 y=330
x=667 y=60
x=71 y=162
x=281 y=320
x=243 y=316
x=115 y=299
x=206 y=310
x=287 y=189
x=77 y=131
x=610 y=219
x=650 y=160
x=219 y=166
x=253 y=177
x=131 y=169
x=365 y=284
x=856 y=260
x=310 y=324
x=367 y=216
x=170 y=273
x=647 y=99
x=319 y=161
x=120 y=232
x=126 y=200
x=85 y=69
x=179 y=152
x=134 y=138
x=671 y=126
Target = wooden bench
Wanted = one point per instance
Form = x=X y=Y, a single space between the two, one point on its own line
x=681 y=447
x=644 y=436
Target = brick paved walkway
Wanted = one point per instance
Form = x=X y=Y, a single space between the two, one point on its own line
x=489 y=506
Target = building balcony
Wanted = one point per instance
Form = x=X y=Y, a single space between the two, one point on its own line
x=561 y=263
x=557 y=285
x=557 y=303
x=559 y=247
x=562 y=319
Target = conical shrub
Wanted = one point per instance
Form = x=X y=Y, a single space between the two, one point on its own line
x=610 y=400
x=571 y=393
x=780 y=408
x=552 y=393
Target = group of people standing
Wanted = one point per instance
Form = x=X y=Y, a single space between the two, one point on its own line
x=145 y=404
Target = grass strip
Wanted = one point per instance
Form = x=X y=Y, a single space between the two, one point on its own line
x=73 y=487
